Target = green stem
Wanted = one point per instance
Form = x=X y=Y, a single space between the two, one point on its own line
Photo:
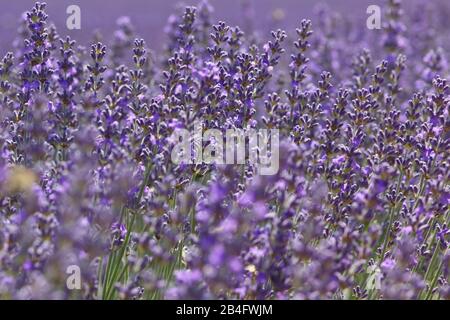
x=392 y=213
x=115 y=261
x=430 y=266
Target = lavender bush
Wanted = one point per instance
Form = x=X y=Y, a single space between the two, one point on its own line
x=359 y=208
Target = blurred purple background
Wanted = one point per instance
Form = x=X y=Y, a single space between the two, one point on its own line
x=150 y=16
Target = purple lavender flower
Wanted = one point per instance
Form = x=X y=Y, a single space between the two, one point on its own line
x=359 y=208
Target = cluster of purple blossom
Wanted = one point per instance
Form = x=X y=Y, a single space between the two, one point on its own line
x=359 y=208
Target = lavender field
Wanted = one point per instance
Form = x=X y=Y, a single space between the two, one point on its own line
x=95 y=202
